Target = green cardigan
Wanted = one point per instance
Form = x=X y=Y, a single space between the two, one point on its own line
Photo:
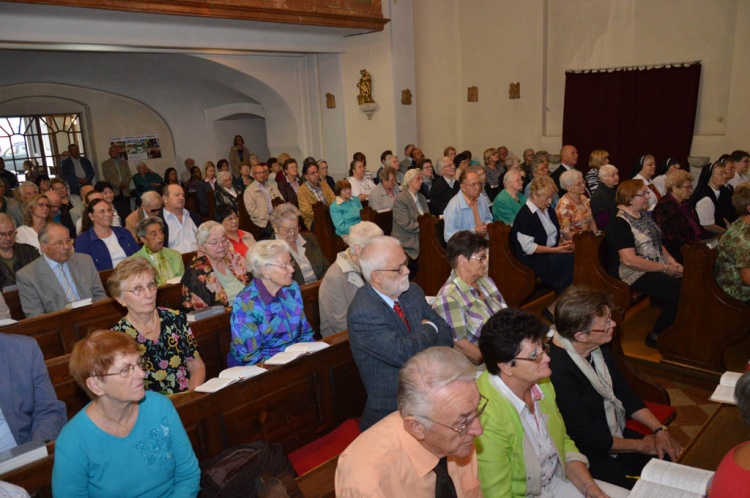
x=500 y=449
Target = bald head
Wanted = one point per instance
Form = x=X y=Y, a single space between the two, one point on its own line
x=569 y=156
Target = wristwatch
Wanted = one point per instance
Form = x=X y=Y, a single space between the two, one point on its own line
x=659 y=429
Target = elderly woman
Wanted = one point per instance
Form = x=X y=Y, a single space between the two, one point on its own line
x=215 y=275
x=241 y=241
x=108 y=193
x=428 y=176
x=409 y=205
x=597 y=159
x=384 y=194
x=707 y=198
x=126 y=441
x=238 y=154
x=535 y=237
x=525 y=450
x=165 y=341
x=641 y=260
x=224 y=193
x=323 y=172
x=510 y=200
x=540 y=167
x=361 y=186
x=309 y=263
x=35 y=213
x=268 y=315
x=573 y=210
x=106 y=244
x=733 y=261
x=468 y=298
x=167 y=262
x=732 y=477
x=675 y=216
x=646 y=168
x=345 y=209
x=494 y=172
x=343 y=279
x=592 y=394
x=603 y=204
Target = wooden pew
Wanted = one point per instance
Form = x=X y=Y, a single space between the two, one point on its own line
x=707 y=334
x=434 y=269
x=330 y=243
x=384 y=220
x=515 y=281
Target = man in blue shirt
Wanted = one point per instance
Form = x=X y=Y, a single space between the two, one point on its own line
x=467 y=210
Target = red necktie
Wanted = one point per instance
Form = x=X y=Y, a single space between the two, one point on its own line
x=400 y=313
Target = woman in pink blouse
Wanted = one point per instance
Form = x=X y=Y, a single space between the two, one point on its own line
x=573 y=210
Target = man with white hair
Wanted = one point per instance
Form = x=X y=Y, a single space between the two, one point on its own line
x=151 y=205
x=468 y=210
x=389 y=321
x=343 y=279
x=426 y=448
x=444 y=187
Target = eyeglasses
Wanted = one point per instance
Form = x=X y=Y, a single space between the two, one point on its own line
x=462 y=430
x=128 y=370
x=643 y=194
x=140 y=289
x=608 y=325
x=217 y=242
x=537 y=356
x=12 y=233
x=482 y=259
x=289 y=231
x=473 y=185
x=284 y=266
x=403 y=266
x=60 y=243
x=42 y=204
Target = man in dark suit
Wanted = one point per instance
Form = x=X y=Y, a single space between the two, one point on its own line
x=568 y=161
x=444 y=187
x=389 y=321
x=59 y=276
x=28 y=401
x=76 y=170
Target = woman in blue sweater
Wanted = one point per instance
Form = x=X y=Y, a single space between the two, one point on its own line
x=345 y=209
x=107 y=245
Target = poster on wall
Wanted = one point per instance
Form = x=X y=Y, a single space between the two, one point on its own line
x=137 y=147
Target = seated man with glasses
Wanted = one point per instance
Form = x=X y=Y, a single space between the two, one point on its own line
x=151 y=205
x=593 y=397
x=59 y=277
x=389 y=321
x=525 y=449
x=14 y=255
x=426 y=448
x=268 y=315
x=468 y=209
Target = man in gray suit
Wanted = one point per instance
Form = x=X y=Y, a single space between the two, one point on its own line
x=117 y=173
x=389 y=321
x=59 y=277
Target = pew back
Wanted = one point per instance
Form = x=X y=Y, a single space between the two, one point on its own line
x=330 y=243
x=514 y=280
x=384 y=220
x=433 y=269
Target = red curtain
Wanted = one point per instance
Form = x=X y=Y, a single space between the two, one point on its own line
x=631 y=112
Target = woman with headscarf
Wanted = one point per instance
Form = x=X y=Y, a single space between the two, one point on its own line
x=662 y=170
x=707 y=196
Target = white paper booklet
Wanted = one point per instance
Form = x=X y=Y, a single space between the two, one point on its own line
x=229 y=376
x=295 y=351
x=724 y=392
x=21 y=455
x=661 y=479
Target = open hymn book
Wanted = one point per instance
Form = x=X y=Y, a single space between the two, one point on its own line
x=294 y=351
x=229 y=376
x=661 y=479
x=724 y=392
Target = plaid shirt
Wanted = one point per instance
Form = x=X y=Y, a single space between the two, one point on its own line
x=465 y=308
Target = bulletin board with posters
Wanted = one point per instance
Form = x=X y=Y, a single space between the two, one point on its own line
x=137 y=147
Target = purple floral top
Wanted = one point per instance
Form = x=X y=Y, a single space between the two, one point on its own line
x=263 y=325
x=166 y=358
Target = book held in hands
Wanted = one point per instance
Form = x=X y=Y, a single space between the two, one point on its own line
x=664 y=479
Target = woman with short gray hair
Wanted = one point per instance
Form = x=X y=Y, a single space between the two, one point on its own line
x=216 y=274
x=167 y=262
x=268 y=315
x=224 y=192
x=309 y=263
x=573 y=210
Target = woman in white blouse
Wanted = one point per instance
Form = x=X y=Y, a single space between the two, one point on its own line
x=361 y=186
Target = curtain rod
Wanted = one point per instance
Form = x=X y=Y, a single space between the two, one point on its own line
x=634 y=68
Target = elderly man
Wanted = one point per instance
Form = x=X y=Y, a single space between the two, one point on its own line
x=146 y=179
x=10 y=206
x=15 y=255
x=468 y=210
x=389 y=321
x=343 y=279
x=568 y=161
x=57 y=215
x=258 y=198
x=28 y=403
x=27 y=191
x=151 y=205
x=406 y=163
x=76 y=169
x=59 y=277
x=186 y=175
x=179 y=223
x=426 y=448
x=311 y=192
x=167 y=262
x=444 y=187
x=117 y=173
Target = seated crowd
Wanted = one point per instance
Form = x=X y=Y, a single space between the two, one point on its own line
x=545 y=417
